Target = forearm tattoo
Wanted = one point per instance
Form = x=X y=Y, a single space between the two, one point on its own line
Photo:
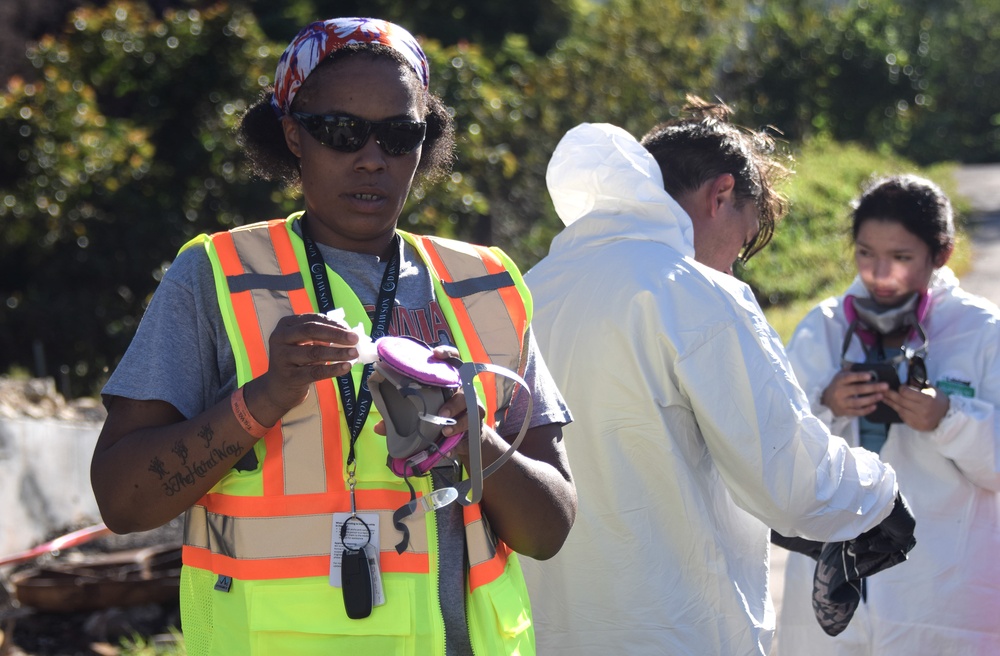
x=186 y=474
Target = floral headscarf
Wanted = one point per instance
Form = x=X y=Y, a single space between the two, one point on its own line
x=316 y=41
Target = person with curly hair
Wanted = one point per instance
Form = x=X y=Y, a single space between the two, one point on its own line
x=241 y=401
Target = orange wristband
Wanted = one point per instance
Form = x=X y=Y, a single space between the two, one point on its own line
x=249 y=424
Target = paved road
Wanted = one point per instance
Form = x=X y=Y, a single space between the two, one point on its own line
x=981 y=185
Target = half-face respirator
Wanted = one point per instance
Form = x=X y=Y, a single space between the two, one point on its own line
x=408 y=386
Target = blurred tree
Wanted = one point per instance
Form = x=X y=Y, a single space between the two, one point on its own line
x=631 y=62
x=449 y=22
x=23 y=22
x=626 y=62
x=116 y=156
x=120 y=146
x=958 y=45
x=123 y=150
x=917 y=76
x=496 y=194
x=841 y=71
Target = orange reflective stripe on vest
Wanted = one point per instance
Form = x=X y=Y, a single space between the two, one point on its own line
x=488 y=307
x=487 y=559
x=303 y=479
x=247 y=537
x=266 y=284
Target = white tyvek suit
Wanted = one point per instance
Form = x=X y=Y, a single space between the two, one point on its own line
x=945 y=599
x=690 y=435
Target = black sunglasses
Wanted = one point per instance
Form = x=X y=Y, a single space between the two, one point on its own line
x=348 y=134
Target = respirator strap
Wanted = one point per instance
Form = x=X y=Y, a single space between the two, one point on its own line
x=468 y=371
x=426 y=503
x=905 y=355
x=474 y=484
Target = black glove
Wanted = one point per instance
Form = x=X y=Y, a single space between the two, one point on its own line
x=893 y=535
x=842 y=566
x=810 y=548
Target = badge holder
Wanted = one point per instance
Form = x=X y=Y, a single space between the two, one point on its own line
x=356 y=574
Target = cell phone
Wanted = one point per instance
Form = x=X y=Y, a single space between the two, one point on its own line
x=882 y=372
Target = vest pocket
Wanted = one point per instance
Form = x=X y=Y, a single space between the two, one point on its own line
x=502 y=616
x=309 y=618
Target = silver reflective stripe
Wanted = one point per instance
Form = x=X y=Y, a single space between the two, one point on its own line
x=479 y=542
x=302 y=448
x=486 y=308
x=257 y=538
x=303 y=457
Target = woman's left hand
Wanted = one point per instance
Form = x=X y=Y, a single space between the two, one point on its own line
x=921 y=410
x=531 y=500
x=455 y=407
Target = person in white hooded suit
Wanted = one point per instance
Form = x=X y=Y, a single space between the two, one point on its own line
x=692 y=436
x=944 y=442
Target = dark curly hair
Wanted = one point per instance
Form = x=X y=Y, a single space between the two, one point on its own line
x=263 y=140
x=916 y=203
x=694 y=150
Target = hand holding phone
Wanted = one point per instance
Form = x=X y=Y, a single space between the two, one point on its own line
x=882 y=372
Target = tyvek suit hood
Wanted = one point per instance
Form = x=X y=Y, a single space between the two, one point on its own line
x=599 y=171
x=690 y=436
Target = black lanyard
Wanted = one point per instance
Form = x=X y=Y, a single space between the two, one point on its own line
x=356 y=407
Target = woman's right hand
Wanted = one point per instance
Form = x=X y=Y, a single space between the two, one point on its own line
x=304 y=348
x=853 y=393
x=151 y=463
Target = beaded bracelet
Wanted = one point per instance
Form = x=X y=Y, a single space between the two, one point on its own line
x=249 y=424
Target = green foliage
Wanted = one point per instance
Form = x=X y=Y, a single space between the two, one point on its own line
x=449 y=22
x=916 y=76
x=959 y=44
x=512 y=107
x=839 y=71
x=631 y=63
x=625 y=62
x=123 y=148
x=496 y=194
x=118 y=155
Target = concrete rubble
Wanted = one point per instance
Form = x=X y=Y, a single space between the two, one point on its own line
x=84 y=599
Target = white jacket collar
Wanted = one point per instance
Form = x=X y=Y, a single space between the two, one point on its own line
x=606 y=187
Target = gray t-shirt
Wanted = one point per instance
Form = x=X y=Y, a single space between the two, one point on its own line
x=181 y=354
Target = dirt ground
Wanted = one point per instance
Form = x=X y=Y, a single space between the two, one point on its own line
x=32 y=632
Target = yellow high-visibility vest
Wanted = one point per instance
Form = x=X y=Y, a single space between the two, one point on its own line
x=257 y=547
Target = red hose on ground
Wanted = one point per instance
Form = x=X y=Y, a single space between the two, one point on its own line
x=73 y=539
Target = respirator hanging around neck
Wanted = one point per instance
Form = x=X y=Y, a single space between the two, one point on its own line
x=872 y=322
x=872 y=319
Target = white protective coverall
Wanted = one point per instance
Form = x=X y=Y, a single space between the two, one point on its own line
x=690 y=434
x=945 y=599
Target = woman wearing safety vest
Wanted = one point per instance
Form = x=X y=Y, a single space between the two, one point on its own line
x=241 y=401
